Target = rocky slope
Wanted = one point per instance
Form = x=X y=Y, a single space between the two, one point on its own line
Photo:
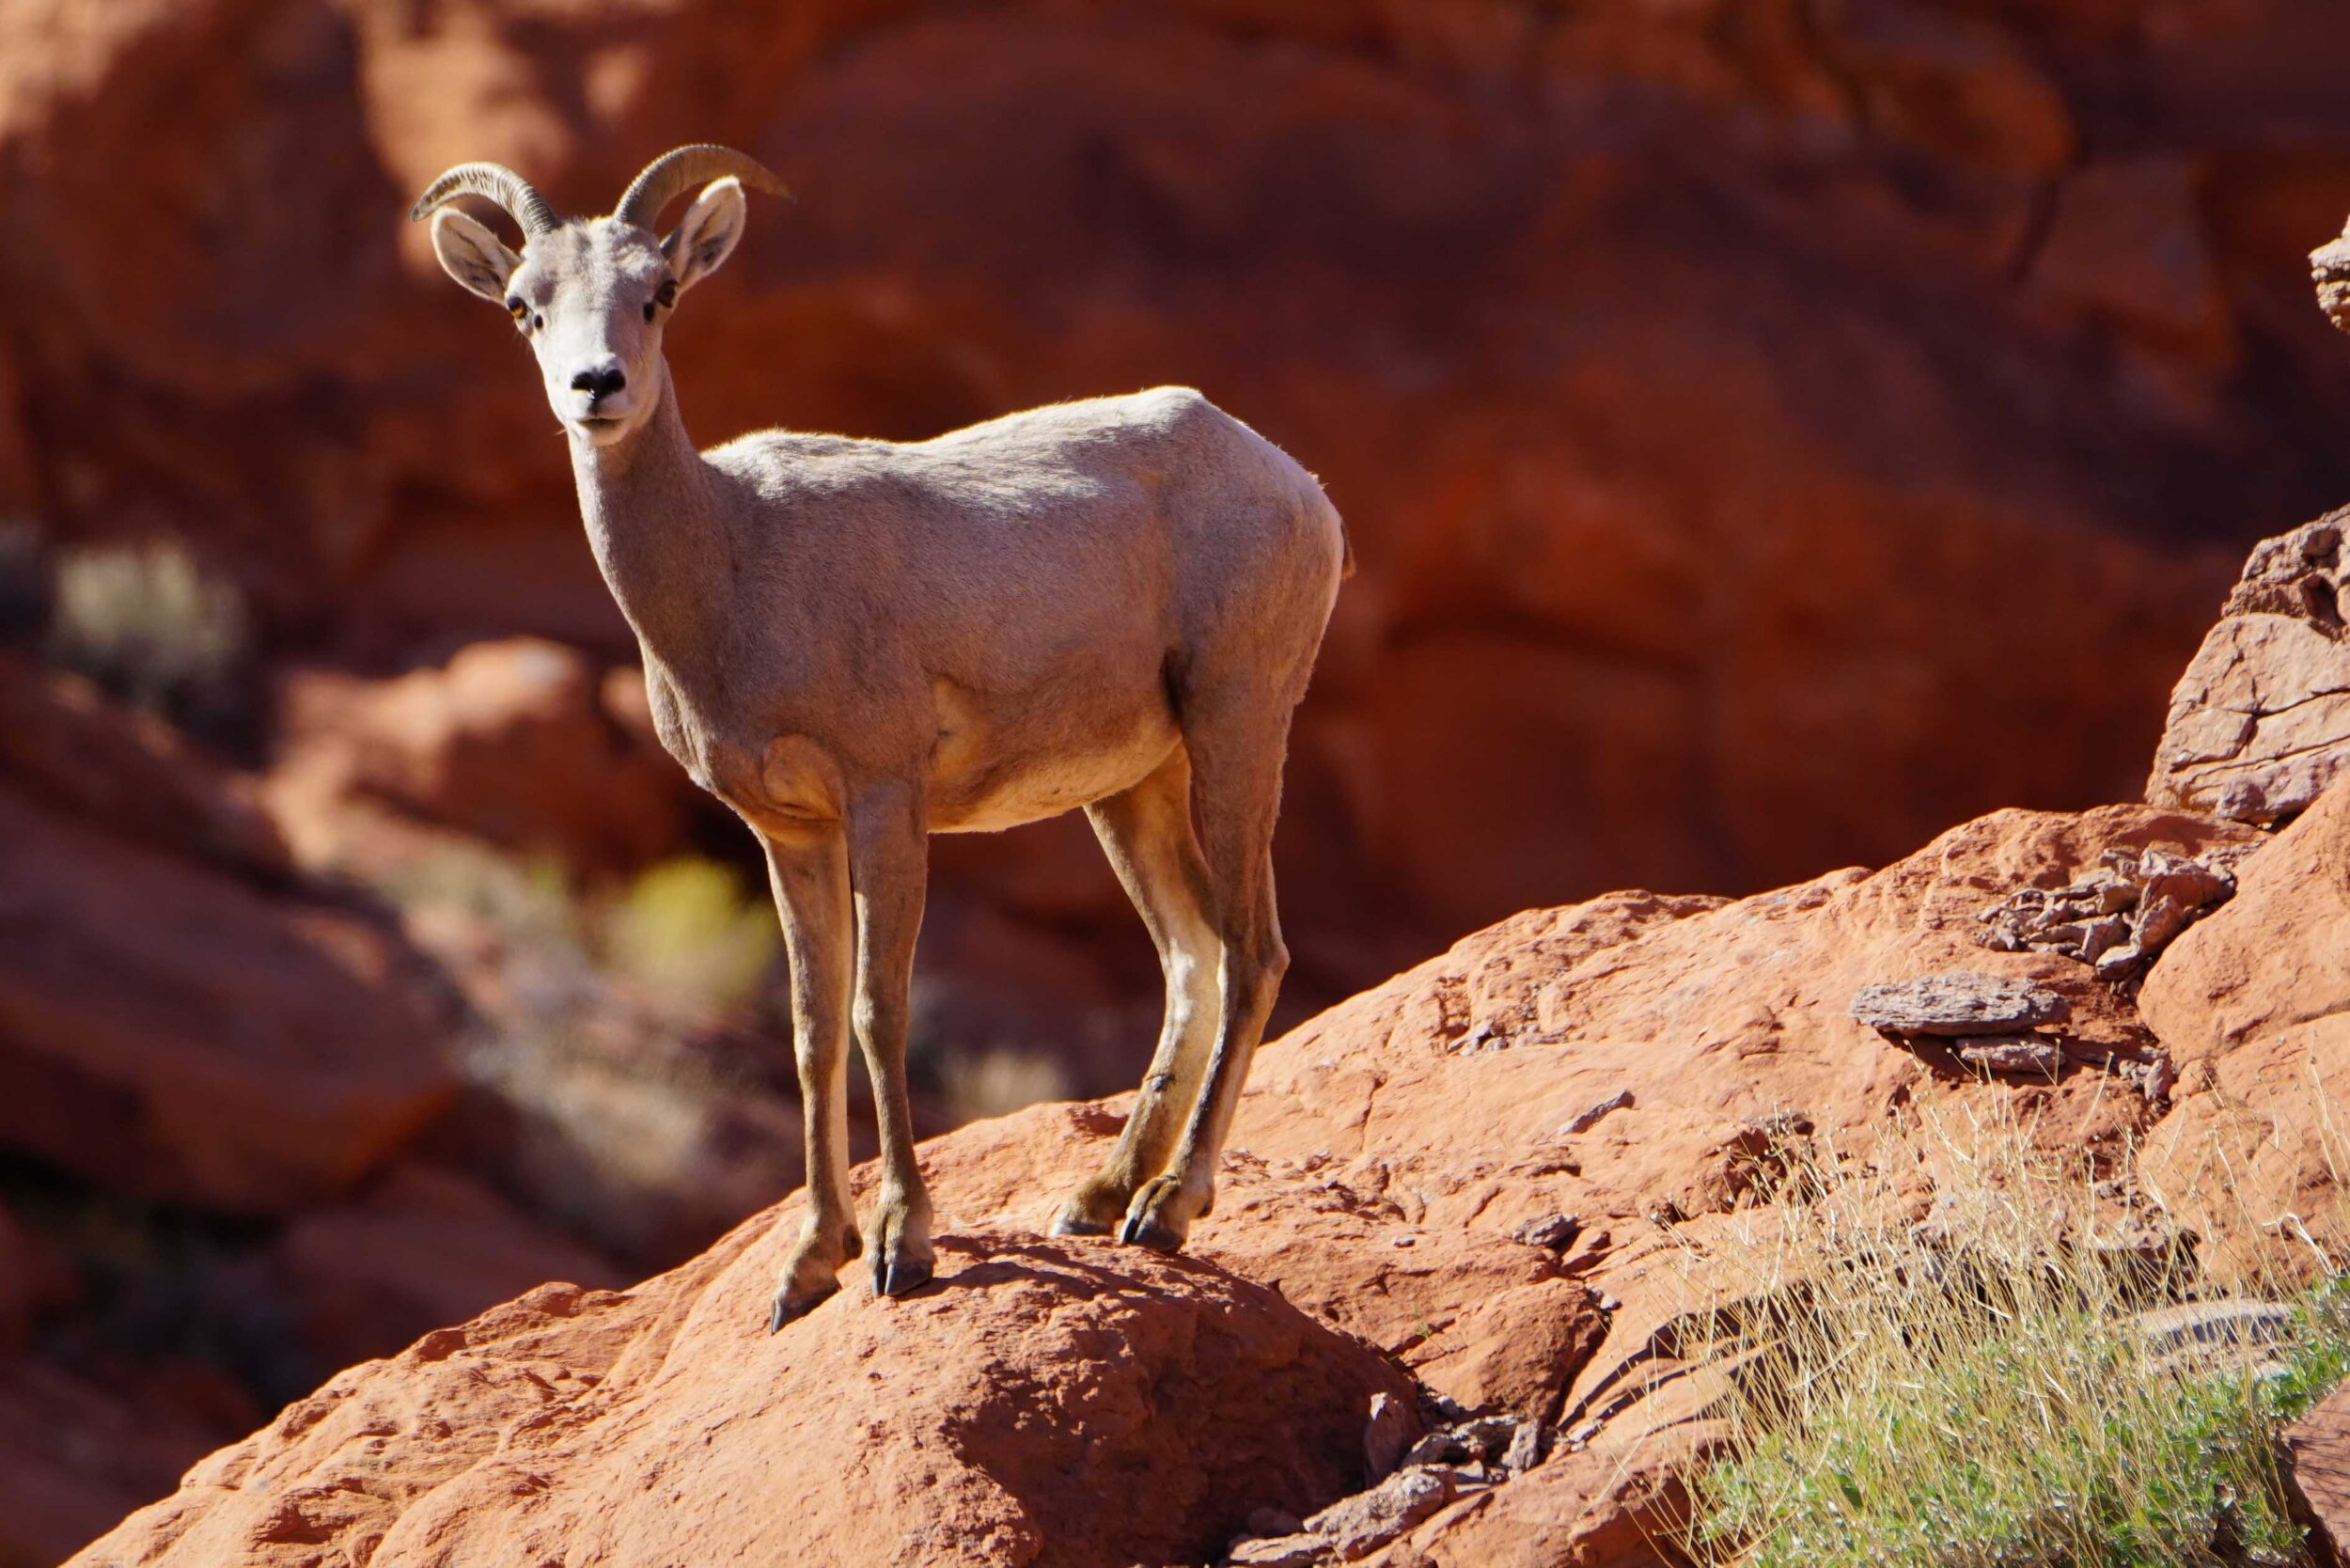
x=1501 y=1173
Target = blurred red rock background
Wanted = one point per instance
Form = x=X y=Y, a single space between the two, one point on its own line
x=1771 y=430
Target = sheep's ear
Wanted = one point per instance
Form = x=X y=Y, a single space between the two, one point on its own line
x=476 y=257
x=705 y=235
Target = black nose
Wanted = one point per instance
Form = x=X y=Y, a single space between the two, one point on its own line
x=600 y=383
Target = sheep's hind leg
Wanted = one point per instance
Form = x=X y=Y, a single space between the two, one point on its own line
x=811 y=878
x=1146 y=832
x=889 y=869
x=1236 y=754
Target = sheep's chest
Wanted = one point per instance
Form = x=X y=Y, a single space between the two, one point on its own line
x=776 y=783
x=672 y=722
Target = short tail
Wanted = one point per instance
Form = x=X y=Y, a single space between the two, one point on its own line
x=1317 y=499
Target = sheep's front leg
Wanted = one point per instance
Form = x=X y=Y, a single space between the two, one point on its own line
x=810 y=877
x=889 y=869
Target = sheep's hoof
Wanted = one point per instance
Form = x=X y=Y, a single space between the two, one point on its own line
x=900 y=1248
x=903 y=1277
x=1096 y=1208
x=811 y=1274
x=1157 y=1238
x=1156 y=1219
x=789 y=1304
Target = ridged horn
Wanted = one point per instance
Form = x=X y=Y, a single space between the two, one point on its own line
x=510 y=191
x=673 y=174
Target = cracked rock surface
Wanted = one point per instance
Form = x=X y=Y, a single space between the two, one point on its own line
x=2117 y=917
x=2259 y=723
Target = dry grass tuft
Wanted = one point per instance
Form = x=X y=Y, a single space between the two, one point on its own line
x=1958 y=1368
x=150 y=625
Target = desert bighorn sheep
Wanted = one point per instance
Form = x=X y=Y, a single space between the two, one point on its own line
x=1112 y=603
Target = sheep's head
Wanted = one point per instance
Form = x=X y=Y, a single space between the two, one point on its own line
x=592 y=295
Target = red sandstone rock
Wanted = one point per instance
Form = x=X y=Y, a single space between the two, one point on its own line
x=2318 y=1475
x=422 y=1249
x=2260 y=722
x=65 y=744
x=518 y=741
x=19 y=1284
x=2253 y=1005
x=73 y=1457
x=168 y=1030
x=2125 y=246
x=1383 y=1157
x=1046 y=1402
x=1611 y=1505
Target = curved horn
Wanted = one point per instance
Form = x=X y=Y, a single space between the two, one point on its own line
x=510 y=191
x=673 y=174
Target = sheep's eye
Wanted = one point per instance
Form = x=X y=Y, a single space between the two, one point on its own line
x=665 y=295
x=516 y=309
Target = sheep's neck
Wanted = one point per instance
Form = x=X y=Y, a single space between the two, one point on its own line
x=654 y=520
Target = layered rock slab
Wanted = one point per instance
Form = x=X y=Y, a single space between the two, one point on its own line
x=2317 y=1475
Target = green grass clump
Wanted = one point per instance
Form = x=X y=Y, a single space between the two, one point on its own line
x=1983 y=1392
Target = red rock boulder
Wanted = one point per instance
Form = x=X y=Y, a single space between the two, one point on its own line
x=520 y=741
x=180 y=1016
x=1046 y=1402
x=2260 y=722
x=2253 y=1003
x=73 y=1456
x=69 y=748
x=422 y=1249
x=169 y=1031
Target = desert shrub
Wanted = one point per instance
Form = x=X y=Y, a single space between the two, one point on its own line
x=1981 y=1390
x=602 y=1088
x=527 y=902
x=999 y=1080
x=151 y=626
x=690 y=933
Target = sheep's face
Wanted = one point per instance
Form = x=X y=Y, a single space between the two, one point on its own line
x=591 y=298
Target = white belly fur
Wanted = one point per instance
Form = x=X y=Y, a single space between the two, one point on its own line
x=988 y=776
x=1049 y=787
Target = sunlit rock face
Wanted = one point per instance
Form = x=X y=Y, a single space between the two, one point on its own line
x=1767 y=439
